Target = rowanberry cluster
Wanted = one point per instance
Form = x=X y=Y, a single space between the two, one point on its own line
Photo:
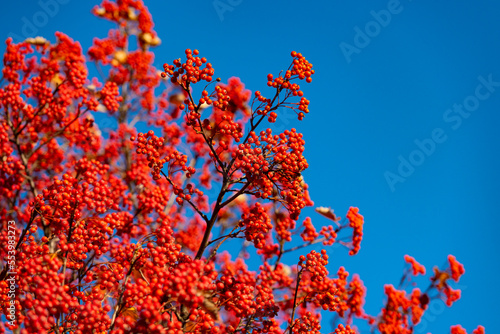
x=341 y=286
x=456 y=268
x=324 y=294
x=356 y=292
x=237 y=295
x=238 y=96
x=188 y=281
x=223 y=98
x=329 y=234
x=265 y=303
x=344 y=330
x=39 y=91
x=45 y=295
x=154 y=147
x=308 y=323
x=226 y=127
x=257 y=224
x=303 y=107
x=315 y=263
x=110 y=96
x=419 y=302
x=301 y=69
x=283 y=227
x=309 y=233
x=356 y=222
x=65 y=198
x=270 y=160
x=457 y=329
x=190 y=71
x=416 y=267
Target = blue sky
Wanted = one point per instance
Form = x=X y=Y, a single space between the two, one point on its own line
x=380 y=87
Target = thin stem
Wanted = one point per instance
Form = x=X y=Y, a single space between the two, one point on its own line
x=119 y=305
x=202 y=215
x=214 y=251
x=299 y=276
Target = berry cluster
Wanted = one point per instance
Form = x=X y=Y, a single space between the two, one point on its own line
x=190 y=71
x=257 y=224
x=275 y=160
x=356 y=222
x=188 y=281
x=301 y=69
x=153 y=147
x=309 y=233
x=344 y=330
x=238 y=96
x=457 y=329
x=329 y=234
x=236 y=293
x=416 y=267
x=315 y=263
x=110 y=96
x=65 y=198
x=308 y=323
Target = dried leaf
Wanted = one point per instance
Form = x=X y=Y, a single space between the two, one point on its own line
x=328 y=213
x=131 y=312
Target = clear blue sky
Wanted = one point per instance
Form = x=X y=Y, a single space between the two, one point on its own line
x=375 y=94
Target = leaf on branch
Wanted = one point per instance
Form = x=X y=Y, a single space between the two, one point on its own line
x=211 y=309
x=37 y=41
x=131 y=312
x=327 y=212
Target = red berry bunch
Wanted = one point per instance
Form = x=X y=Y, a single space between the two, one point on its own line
x=237 y=294
x=190 y=71
x=315 y=263
x=300 y=69
x=416 y=267
x=356 y=222
x=329 y=234
x=324 y=294
x=110 y=96
x=238 y=96
x=222 y=98
x=457 y=329
x=226 y=128
x=187 y=282
x=456 y=268
x=344 y=330
x=308 y=323
x=65 y=198
x=283 y=227
x=309 y=233
x=257 y=224
x=153 y=147
x=270 y=160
